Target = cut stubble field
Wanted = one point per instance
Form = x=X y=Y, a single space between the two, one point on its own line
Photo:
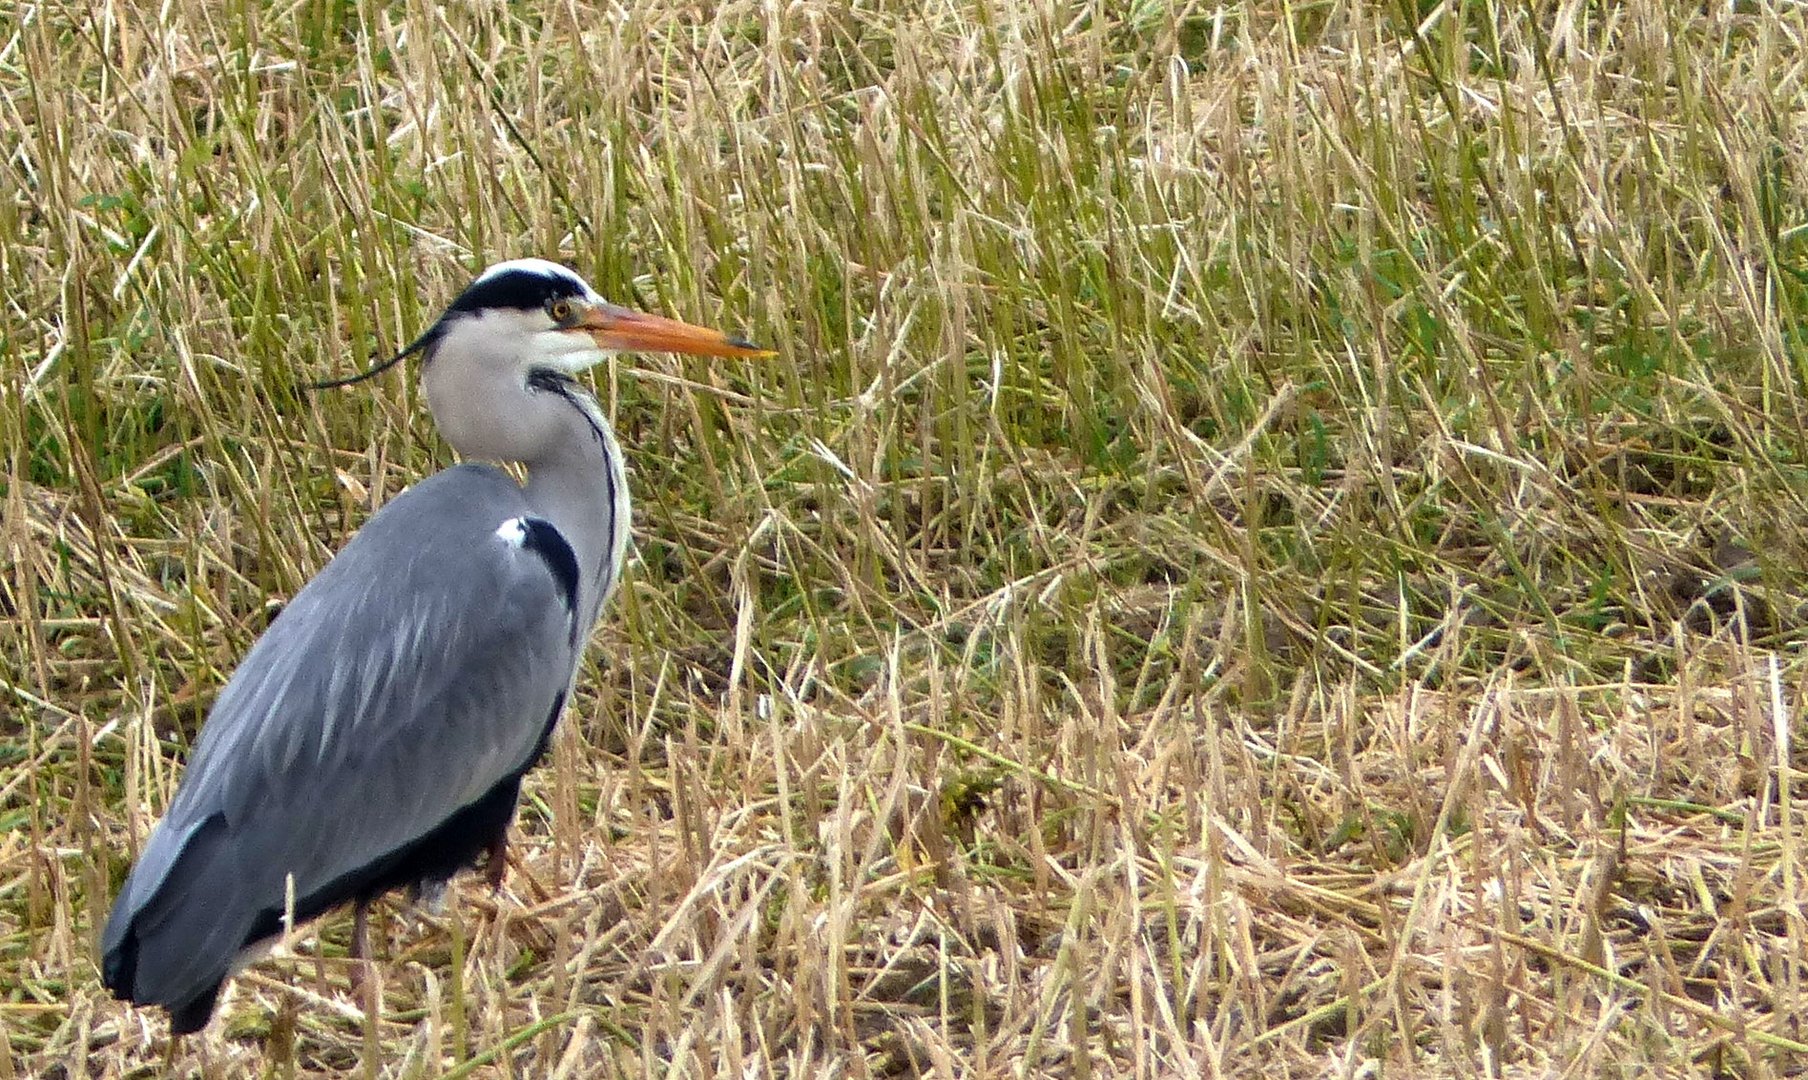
x=1273 y=545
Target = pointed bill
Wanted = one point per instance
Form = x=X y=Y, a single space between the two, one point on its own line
x=620 y=329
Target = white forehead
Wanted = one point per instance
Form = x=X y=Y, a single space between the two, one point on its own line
x=543 y=267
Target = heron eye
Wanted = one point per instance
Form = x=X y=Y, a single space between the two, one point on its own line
x=560 y=310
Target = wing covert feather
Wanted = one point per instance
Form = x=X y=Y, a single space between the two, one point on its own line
x=417 y=670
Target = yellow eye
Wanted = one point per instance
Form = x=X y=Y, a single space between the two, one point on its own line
x=560 y=310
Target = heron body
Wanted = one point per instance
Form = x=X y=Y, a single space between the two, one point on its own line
x=376 y=735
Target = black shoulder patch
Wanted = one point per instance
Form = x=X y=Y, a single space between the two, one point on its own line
x=518 y=289
x=546 y=541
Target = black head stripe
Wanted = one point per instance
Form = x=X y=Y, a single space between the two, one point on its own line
x=528 y=285
x=518 y=288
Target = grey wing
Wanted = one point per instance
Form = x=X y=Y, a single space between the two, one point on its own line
x=419 y=668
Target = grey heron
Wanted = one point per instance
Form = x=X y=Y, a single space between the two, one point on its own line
x=376 y=734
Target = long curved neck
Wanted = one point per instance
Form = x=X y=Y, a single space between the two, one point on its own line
x=579 y=483
x=575 y=474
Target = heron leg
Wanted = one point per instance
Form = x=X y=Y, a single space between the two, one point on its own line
x=361 y=930
x=497 y=863
x=360 y=943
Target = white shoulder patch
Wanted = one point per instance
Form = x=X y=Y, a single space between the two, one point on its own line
x=513 y=532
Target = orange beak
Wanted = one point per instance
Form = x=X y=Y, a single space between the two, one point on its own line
x=623 y=330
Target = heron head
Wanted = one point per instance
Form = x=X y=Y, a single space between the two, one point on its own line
x=556 y=320
x=536 y=314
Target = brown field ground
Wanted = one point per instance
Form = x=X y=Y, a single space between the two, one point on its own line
x=1274 y=545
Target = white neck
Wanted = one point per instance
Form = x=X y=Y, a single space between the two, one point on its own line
x=496 y=407
x=582 y=488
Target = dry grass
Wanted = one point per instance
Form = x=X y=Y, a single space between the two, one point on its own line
x=1274 y=547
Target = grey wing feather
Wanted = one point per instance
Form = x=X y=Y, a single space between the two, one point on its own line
x=415 y=672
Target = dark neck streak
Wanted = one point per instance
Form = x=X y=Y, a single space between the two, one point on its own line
x=581 y=488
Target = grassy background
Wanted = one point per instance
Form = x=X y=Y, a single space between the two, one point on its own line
x=1274 y=544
